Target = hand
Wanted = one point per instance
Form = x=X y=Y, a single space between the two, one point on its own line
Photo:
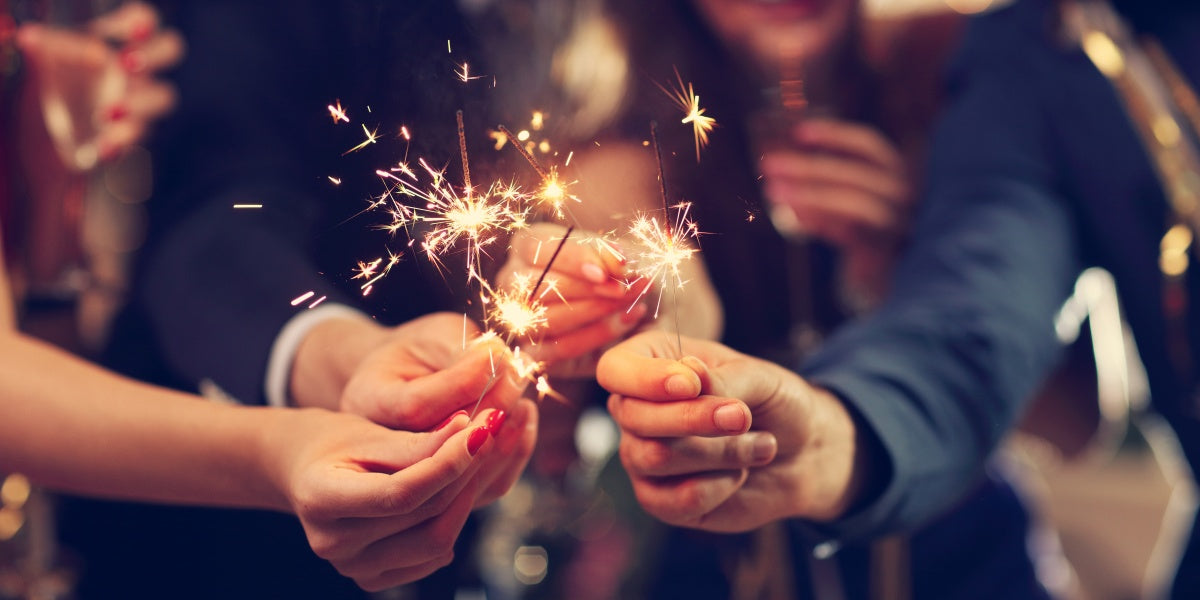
x=725 y=442
x=844 y=183
x=385 y=507
x=588 y=304
x=78 y=61
x=414 y=377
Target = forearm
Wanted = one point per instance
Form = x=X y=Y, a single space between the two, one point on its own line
x=72 y=426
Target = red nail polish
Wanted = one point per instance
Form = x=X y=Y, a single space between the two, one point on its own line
x=116 y=112
x=131 y=60
x=476 y=439
x=449 y=420
x=141 y=32
x=495 y=421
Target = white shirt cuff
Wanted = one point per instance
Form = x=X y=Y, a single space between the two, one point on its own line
x=287 y=343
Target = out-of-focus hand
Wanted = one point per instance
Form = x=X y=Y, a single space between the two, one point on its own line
x=725 y=442
x=129 y=37
x=844 y=183
x=589 y=304
x=385 y=507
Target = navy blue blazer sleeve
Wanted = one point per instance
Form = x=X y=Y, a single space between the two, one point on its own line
x=215 y=283
x=940 y=373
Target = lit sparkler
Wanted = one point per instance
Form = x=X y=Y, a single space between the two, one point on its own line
x=686 y=99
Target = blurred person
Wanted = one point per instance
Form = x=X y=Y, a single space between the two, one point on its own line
x=1088 y=114
x=361 y=491
x=803 y=211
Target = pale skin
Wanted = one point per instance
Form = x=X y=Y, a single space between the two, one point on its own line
x=383 y=506
x=725 y=442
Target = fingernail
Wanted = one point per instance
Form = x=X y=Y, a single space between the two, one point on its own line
x=141 y=32
x=449 y=420
x=593 y=273
x=762 y=447
x=682 y=386
x=731 y=418
x=475 y=441
x=495 y=421
x=116 y=112
x=131 y=60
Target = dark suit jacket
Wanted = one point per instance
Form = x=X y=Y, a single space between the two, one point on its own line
x=1036 y=172
x=212 y=285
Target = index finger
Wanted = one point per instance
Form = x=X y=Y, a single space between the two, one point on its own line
x=131 y=21
x=578 y=258
x=850 y=138
x=405 y=491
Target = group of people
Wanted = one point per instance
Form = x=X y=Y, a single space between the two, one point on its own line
x=871 y=308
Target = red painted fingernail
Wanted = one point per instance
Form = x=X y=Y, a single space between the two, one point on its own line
x=476 y=439
x=449 y=420
x=141 y=32
x=116 y=112
x=495 y=421
x=131 y=60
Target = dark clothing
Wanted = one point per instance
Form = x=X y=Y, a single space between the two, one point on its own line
x=1036 y=172
x=212 y=286
x=772 y=290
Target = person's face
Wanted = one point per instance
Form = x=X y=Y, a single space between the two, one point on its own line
x=772 y=31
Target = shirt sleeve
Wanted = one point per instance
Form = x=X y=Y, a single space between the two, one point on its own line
x=941 y=372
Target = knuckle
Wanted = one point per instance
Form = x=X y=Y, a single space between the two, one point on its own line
x=652 y=455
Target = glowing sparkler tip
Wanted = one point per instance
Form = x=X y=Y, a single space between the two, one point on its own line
x=337 y=112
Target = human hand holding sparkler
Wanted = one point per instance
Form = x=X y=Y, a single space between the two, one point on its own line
x=384 y=507
x=847 y=184
x=726 y=442
x=588 y=303
x=416 y=376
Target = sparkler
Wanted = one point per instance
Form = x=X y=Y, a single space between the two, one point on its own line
x=519 y=312
x=662 y=249
x=686 y=99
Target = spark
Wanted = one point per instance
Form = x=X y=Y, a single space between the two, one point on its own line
x=302 y=297
x=512 y=310
x=247 y=206
x=464 y=73
x=685 y=99
x=372 y=271
x=372 y=135
x=316 y=302
x=334 y=180
x=337 y=112
x=662 y=249
x=553 y=193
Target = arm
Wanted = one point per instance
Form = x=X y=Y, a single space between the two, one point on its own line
x=941 y=372
x=896 y=413
x=336 y=472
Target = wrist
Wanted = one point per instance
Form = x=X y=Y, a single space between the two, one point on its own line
x=327 y=357
x=838 y=462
